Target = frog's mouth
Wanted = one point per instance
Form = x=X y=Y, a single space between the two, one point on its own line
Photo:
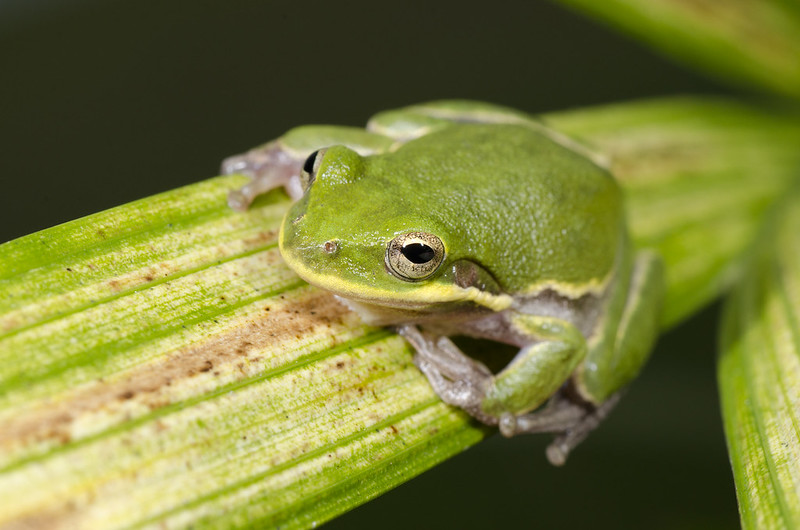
x=421 y=297
x=367 y=292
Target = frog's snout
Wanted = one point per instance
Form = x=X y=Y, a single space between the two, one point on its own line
x=300 y=248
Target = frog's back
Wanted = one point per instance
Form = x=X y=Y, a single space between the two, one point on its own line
x=533 y=212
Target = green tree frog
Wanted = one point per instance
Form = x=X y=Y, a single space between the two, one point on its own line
x=463 y=218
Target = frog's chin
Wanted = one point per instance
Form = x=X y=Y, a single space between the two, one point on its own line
x=387 y=315
x=380 y=315
x=389 y=310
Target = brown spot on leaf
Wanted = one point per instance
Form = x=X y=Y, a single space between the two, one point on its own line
x=10 y=324
x=140 y=277
x=262 y=238
x=60 y=517
x=148 y=384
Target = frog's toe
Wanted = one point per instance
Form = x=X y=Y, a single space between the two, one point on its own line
x=446 y=357
x=557 y=453
x=242 y=198
x=238 y=164
x=507 y=424
x=460 y=392
x=556 y=417
x=572 y=421
x=463 y=394
x=454 y=377
x=238 y=200
x=268 y=159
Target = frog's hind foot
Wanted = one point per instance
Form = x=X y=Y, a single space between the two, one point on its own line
x=572 y=420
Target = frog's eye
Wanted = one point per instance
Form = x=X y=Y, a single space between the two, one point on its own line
x=414 y=256
x=310 y=168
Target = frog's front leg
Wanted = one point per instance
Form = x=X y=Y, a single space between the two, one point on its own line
x=625 y=338
x=269 y=166
x=534 y=375
x=456 y=378
x=280 y=163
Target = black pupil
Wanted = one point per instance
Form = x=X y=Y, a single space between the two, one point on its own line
x=418 y=253
x=308 y=166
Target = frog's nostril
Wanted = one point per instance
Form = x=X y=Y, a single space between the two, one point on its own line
x=330 y=247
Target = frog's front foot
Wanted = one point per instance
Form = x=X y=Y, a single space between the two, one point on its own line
x=268 y=167
x=456 y=378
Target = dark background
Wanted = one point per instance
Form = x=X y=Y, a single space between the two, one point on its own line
x=104 y=102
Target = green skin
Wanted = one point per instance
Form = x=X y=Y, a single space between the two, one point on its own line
x=535 y=253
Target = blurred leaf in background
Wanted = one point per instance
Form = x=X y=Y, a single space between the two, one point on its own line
x=759 y=374
x=755 y=44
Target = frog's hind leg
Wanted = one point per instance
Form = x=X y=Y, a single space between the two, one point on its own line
x=572 y=419
x=628 y=334
x=559 y=414
x=535 y=374
x=414 y=121
x=559 y=449
x=418 y=120
x=624 y=342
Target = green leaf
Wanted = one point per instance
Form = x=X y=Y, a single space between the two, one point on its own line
x=759 y=377
x=751 y=42
x=159 y=363
x=161 y=366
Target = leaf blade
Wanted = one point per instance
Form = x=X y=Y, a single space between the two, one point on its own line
x=750 y=43
x=759 y=376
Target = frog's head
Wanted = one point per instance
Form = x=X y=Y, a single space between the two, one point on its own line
x=372 y=239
